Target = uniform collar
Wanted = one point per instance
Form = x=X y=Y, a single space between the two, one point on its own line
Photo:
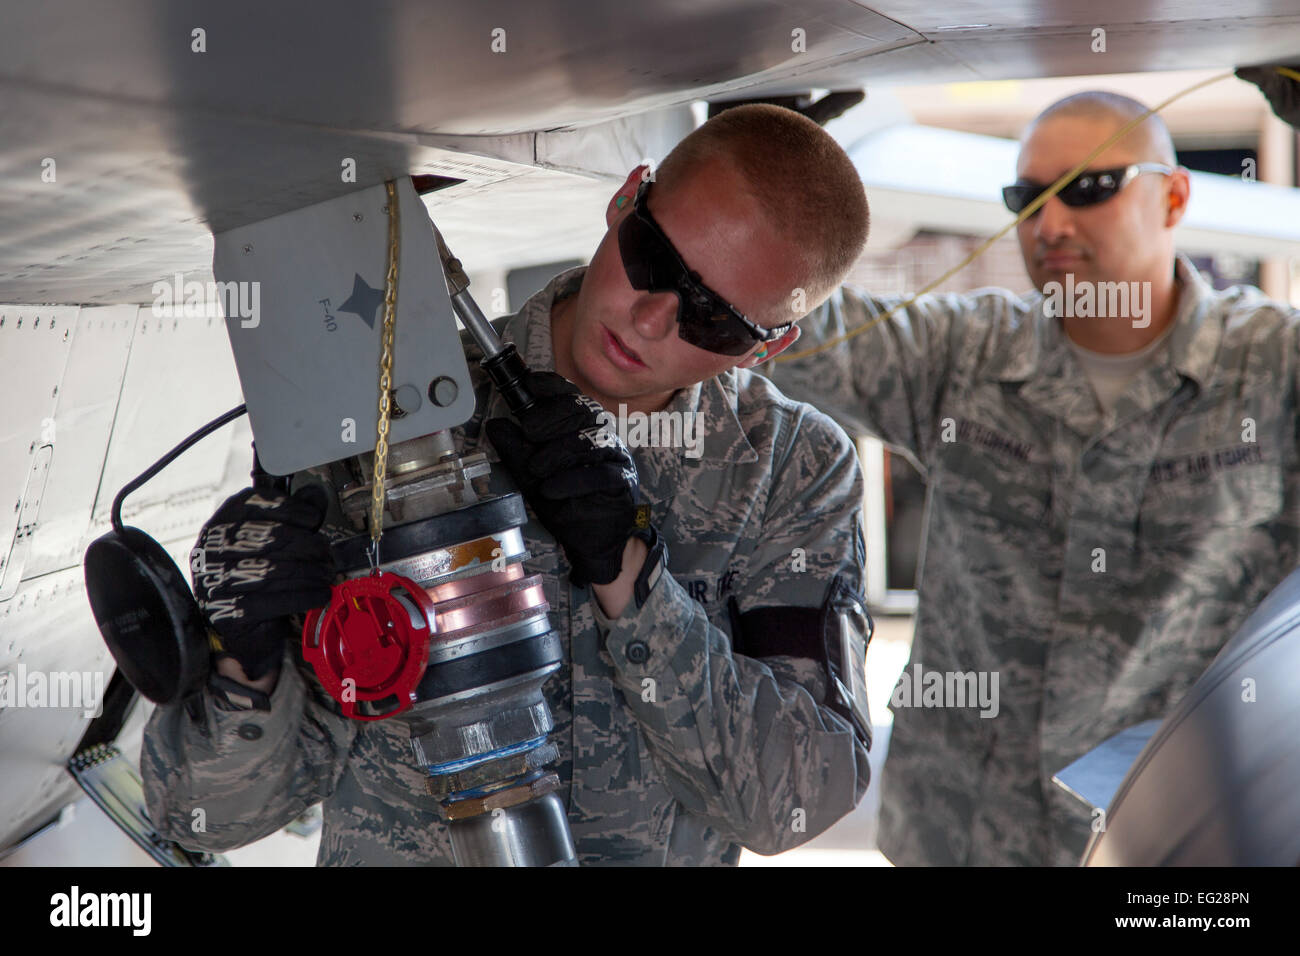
x=1192 y=345
x=1039 y=356
x=529 y=329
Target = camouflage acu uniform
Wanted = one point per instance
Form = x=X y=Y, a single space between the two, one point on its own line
x=726 y=753
x=1188 y=492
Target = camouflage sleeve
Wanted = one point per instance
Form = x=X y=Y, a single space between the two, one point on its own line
x=239 y=775
x=885 y=381
x=748 y=744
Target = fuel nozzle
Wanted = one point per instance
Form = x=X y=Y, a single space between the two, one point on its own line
x=502 y=363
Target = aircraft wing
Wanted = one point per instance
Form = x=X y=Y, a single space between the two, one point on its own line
x=131 y=131
x=161 y=134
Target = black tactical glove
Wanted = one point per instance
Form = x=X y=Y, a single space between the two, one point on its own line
x=1282 y=92
x=258 y=560
x=577 y=476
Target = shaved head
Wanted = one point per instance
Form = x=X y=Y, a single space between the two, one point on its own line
x=1149 y=141
x=1124 y=236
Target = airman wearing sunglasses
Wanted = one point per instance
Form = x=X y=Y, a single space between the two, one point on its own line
x=1108 y=496
x=755 y=637
x=710 y=606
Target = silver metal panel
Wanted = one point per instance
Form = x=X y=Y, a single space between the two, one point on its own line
x=556 y=212
x=46 y=628
x=1218 y=784
x=1095 y=777
x=1130 y=47
x=179 y=376
x=617 y=147
x=83 y=420
x=33 y=490
x=138 y=191
x=34 y=346
x=932 y=18
x=156 y=145
x=993 y=39
x=539 y=217
x=309 y=363
x=419 y=66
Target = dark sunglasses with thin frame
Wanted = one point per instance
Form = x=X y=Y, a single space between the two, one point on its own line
x=704 y=318
x=1087 y=189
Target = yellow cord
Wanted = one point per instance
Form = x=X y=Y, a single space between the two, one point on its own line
x=1025 y=213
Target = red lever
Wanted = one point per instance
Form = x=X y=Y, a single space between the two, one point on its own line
x=375 y=634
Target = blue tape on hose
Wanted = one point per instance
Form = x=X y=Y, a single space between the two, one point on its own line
x=455 y=766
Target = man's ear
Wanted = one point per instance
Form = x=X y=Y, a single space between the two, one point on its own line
x=621 y=201
x=1180 y=188
x=773 y=349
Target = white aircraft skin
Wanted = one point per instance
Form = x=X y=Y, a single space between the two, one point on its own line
x=127 y=140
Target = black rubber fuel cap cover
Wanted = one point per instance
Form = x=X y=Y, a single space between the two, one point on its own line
x=147 y=615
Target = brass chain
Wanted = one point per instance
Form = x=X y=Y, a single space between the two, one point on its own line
x=385 y=376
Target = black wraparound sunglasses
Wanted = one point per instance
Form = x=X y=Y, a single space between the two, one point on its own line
x=704 y=318
x=1087 y=189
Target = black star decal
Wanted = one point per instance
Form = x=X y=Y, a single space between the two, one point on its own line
x=364 y=301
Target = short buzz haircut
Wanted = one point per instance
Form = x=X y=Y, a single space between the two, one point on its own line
x=802 y=179
x=1152 y=134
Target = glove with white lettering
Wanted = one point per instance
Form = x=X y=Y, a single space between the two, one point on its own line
x=1282 y=92
x=258 y=560
x=575 y=473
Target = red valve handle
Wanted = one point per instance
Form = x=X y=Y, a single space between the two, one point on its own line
x=375 y=633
